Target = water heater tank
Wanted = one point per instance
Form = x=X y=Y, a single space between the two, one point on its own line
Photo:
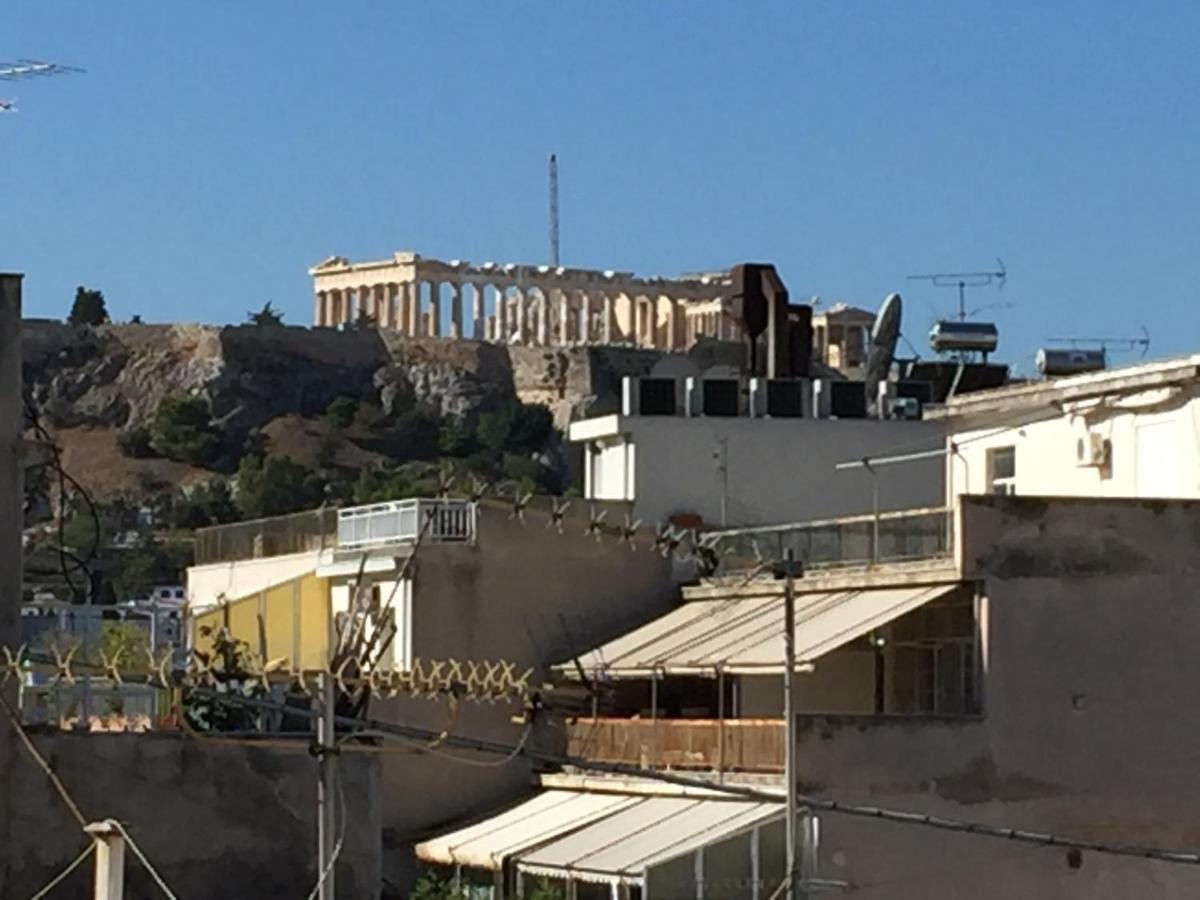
x=1052 y=362
x=951 y=336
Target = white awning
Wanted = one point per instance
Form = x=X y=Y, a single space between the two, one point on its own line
x=745 y=636
x=546 y=816
x=620 y=847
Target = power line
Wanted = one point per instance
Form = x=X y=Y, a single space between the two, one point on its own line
x=924 y=820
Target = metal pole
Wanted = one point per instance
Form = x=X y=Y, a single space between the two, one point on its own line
x=326 y=830
x=789 y=712
x=110 y=861
x=11 y=517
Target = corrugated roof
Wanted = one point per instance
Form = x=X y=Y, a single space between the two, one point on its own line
x=747 y=635
x=621 y=846
x=545 y=816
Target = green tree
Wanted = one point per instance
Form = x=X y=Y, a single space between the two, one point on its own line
x=516 y=427
x=276 y=486
x=129 y=639
x=339 y=413
x=182 y=430
x=136 y=442
x=88 y=308
x=208 y=503
x=268 y=316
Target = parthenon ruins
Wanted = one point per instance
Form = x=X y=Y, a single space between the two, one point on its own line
x=534 y=305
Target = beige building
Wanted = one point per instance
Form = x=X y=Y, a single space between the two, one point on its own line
x=543 y=306
x=1126 y=432
x=482 y=585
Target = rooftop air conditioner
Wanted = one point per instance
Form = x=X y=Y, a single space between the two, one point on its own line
x=1092 y=450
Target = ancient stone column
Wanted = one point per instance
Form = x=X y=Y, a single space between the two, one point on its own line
x=456 y=316
x=606 y=322
x=543 y=329
x=564 y=318
x=318 y=308
x=478 y=317
x=393 y=305
x=585 y=317
x=435 y=309
x=412 y=308
x=522 y=325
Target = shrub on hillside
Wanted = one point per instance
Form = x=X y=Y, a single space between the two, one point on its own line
x=136 y=442
x=276 y=486
x=182 y=430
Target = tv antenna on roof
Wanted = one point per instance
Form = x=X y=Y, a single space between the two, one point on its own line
x=1106 y=344
x=24 y=69
x=964 y=280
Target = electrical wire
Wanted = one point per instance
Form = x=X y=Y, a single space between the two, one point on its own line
x=337 y=848
x=137 y=851
x=834 y=807
x=15 y=720
x=61 y=876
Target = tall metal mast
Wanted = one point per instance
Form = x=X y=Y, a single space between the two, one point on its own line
x=553 y=210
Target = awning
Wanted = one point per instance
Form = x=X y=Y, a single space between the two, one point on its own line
x=745 y=636
x=546 y=816
x=620 y=847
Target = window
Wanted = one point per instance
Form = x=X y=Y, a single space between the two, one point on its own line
x=1002 y=470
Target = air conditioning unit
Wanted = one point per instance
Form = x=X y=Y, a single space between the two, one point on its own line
x=1092 y=450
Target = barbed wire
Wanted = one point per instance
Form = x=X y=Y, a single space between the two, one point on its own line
x=480 y=681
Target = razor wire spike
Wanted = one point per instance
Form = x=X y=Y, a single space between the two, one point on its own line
x=12 y=664
x=111 y=665
x=558 y=512
x=63 y=665
x=339 y=675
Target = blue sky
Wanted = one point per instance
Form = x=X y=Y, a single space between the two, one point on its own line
x=213 y=151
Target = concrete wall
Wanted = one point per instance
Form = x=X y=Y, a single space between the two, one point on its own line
x=1155 y=451
x=216 y=820
x=777 y=470
x=525 y=594
x=1090 y=723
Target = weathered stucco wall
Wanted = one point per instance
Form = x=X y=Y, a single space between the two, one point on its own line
x=1089 y=729
x=526 y=594
x=216 y=820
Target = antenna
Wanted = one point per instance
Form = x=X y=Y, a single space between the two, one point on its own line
x=964 y=280
x=553 y=210
x=24 y=69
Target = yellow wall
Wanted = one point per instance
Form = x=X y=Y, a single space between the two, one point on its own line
x=295 y=622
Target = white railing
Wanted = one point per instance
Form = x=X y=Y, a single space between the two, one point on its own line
x=403 y=521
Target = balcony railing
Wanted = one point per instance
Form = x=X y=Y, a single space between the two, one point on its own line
x=404 y=521
x=852 y=541
x=276 y=536
x=729 y=745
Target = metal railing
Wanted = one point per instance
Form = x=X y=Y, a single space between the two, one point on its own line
x=403 y=521
x=852 y=541
x=720 y=745
x=313 y=529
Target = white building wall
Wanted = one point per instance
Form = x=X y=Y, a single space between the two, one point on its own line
x=1155 y=451
x=742 y=471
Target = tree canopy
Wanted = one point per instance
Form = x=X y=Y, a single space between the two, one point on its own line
x=89 y=308
x=265 y=317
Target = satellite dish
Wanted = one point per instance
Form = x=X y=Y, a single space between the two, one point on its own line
x=884 y=334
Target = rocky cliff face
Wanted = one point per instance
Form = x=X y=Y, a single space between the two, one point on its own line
x=89 y=383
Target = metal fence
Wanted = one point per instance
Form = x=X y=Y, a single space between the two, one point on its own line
x=852 y=541
x=402 y=521
x=313 y=529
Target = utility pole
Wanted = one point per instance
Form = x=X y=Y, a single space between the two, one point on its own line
x=110 y=861
x=326 y=804
x=12 y=515
x=789 y=712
